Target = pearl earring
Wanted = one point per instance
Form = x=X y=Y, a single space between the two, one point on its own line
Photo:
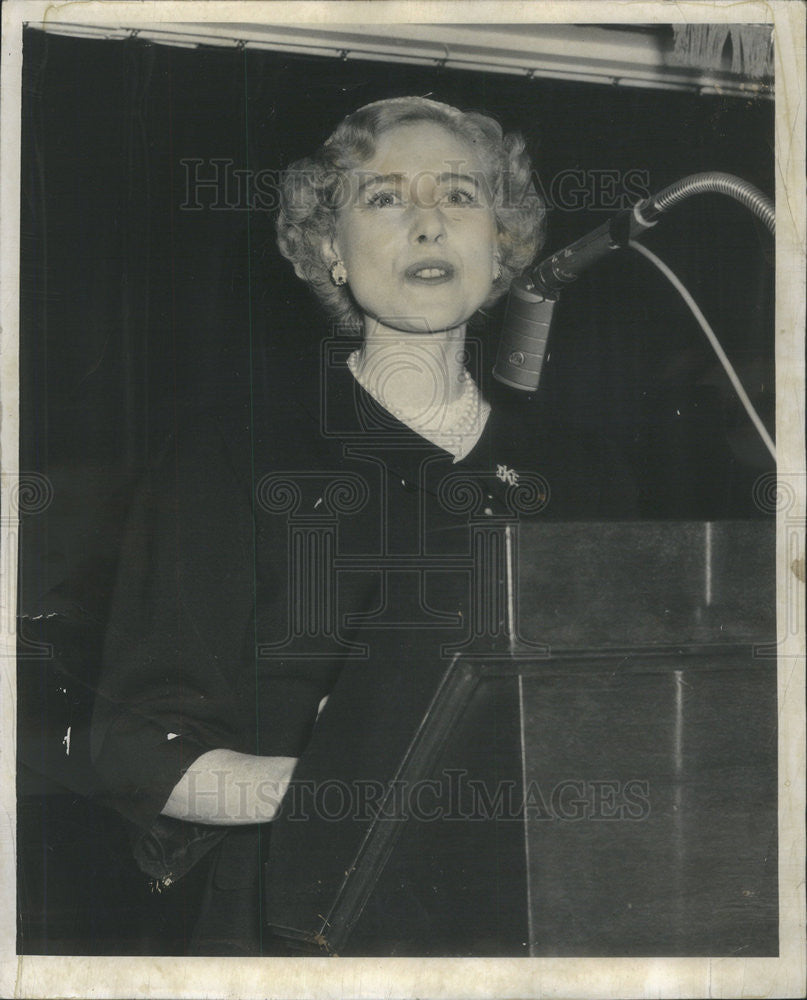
x=338 y=273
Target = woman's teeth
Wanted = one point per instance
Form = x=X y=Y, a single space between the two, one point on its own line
x=430 y=271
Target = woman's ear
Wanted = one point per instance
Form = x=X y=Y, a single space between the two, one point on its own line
x=330 y=250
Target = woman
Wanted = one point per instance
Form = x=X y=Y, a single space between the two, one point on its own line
x=410 y=219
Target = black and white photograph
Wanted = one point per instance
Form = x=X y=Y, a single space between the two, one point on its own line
x=403 y=492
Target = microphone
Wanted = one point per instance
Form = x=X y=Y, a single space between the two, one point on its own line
x=533 y=297
x=527 y=321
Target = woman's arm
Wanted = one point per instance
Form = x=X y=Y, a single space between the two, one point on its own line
x=227 y=788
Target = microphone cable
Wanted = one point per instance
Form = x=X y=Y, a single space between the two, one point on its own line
x=711 y=336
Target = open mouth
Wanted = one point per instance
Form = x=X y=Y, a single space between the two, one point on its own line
x=430 y=272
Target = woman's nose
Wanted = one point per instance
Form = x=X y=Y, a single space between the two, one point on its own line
x=428 y=225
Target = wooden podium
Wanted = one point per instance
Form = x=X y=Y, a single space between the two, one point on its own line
x=607 y=786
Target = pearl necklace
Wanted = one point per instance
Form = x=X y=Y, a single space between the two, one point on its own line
x=455 y=427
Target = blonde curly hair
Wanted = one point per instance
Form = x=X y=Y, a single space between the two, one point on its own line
x=313 y=189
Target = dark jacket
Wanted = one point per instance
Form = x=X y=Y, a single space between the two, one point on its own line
x=269 y=549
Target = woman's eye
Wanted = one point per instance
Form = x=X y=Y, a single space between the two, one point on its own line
x=384 y=199
x=460 y=196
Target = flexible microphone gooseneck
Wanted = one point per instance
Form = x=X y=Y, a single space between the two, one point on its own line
x=533 y=296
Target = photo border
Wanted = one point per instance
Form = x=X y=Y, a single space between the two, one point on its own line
x=85 y=976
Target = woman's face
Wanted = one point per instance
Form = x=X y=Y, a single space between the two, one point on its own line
x=418 y=235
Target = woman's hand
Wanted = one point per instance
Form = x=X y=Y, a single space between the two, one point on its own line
x=226 y=788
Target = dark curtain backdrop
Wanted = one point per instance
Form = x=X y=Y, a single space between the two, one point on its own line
x=136 y=306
